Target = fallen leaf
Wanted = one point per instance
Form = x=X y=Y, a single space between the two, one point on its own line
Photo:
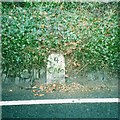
x=41 y=88
x=41 y=95
x=54 y=85
x=34 y=90
x=34 y=87
x=66 y=76
x=36 y=94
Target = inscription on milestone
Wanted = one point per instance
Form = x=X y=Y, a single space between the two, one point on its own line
x=56 y=68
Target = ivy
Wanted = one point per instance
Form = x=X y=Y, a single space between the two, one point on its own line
x=87 y=32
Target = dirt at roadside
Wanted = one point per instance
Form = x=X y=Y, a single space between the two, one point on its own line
x=59 y=91
x=74 y=87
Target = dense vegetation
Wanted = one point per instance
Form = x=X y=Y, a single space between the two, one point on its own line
x=86 y=33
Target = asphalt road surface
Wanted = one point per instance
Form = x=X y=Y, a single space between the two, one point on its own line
x=72 y=110
x=95 y=110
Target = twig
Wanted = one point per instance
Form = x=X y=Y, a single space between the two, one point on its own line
x=82 y=68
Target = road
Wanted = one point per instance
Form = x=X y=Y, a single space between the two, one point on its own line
x=74 y=110
x=95 y=110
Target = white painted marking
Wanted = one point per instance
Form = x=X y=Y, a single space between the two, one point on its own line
x=60 y=101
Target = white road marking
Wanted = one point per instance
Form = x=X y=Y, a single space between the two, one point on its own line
x=60 y=101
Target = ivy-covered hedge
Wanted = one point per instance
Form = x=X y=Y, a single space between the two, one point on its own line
x=85 y=32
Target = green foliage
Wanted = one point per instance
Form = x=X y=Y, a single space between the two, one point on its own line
x=31 y=31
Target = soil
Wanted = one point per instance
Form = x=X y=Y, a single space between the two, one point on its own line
x=73 y=88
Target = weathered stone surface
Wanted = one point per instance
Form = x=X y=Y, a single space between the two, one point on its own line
x=25 y=74
x=96 y=76
x=9 y=79
x=101 y=76
x=55 y=68
x=3 y=76
x=17 y=80
x=42 y=75
x=36 y=74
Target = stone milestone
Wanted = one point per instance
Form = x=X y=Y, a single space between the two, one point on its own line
x=55 y=68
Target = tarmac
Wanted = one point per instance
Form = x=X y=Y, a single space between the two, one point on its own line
x=10 y=92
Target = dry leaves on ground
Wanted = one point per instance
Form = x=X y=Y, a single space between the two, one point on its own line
x=41 y=90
